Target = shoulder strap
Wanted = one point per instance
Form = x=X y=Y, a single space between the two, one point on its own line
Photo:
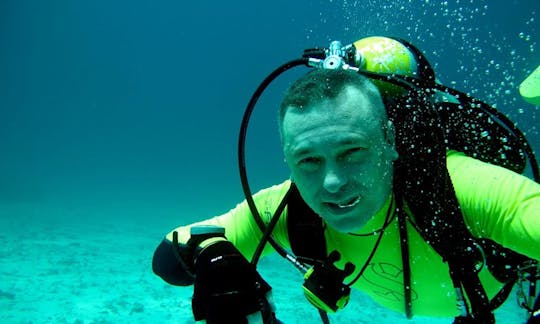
x=305 y=228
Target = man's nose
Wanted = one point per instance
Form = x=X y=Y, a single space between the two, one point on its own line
x=334 y=179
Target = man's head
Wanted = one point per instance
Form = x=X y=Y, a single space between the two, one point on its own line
x=339 y=145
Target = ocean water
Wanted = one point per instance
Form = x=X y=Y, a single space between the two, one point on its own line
x=119 y=121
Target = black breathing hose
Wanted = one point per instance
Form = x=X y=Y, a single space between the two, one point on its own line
x=242 y=158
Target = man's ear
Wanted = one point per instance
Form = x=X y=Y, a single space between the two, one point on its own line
x=390 y=133
x=390 y=137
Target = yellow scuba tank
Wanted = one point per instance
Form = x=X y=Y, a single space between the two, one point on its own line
x=385 y=55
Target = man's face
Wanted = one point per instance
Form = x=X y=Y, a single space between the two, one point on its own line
x=340 y=157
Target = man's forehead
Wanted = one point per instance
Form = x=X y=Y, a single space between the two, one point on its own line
x=339 y=138
x=351 y=102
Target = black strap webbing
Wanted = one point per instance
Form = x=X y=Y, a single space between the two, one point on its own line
x=305 y=228
x=405 y=257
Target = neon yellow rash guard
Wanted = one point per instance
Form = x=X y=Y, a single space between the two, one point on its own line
x=496 y=204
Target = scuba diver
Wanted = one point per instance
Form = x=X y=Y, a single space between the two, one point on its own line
x=405 y=189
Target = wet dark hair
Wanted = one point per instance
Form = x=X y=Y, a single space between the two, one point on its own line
x=324 y=84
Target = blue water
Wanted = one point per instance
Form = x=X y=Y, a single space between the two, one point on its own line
x=121 y=118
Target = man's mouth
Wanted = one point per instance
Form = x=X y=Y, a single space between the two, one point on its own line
x=347 y=204
x=351 y=203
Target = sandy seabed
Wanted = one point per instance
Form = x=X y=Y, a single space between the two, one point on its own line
x=85 y=268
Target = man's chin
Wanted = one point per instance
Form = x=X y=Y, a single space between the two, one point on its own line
x=344 y=225
x=346 y=222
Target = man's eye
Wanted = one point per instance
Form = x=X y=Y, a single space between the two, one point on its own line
x=354 y=153
x=309 y=160
x=309 y=163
